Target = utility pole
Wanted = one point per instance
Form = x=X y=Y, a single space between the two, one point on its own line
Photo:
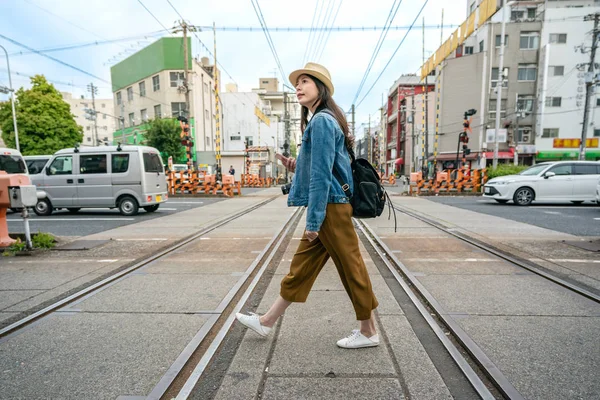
x=286 y=142
x=186 y=86
x=590 y=82
x=94 y=91
x=12 y=99
x=499 y=84
x=425 y=98
x=218 y=109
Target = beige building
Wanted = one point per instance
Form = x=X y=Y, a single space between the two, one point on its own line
x=106 y=119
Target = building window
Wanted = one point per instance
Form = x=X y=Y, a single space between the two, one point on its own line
x=249 y=140
x=492 y=110
x=87 y=128
x=206 y=88
x=178 y=109
x=558 y=38
x=531 y=13
x=596 y=132
x=156 y=83
x=103 y=105
x=553 y=101
x=529 y=41
x=481 y=45
x=105 y=127
x=468 y=50
x=131 y=119
x=129 y=94
x=206 y=114
x=517 y=15
x=498 y=40
x=598 y=102
x=142 y=88
x=157 y=113
x=119 y=99
x=525 y=103
x=527 y=72
x=144 y=115
x=234 y=138
x=89 y=139
x=557 y=70
x=495 y=77
x=177 y=78
x=550 y=133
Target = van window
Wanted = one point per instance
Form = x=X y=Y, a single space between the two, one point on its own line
x=36 y=166
x=120 y=163
x=564 y=169
x=152 y=163
x=62 y=165
x=92 y=164
x=585 y=169
x=12 y=164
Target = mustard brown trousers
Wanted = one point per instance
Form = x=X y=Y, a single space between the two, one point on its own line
x=337 y=239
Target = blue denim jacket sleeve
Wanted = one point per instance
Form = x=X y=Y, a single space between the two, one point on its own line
x=322 y=146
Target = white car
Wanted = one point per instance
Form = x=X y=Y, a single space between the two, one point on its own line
x=598 y=192
x=560 y=181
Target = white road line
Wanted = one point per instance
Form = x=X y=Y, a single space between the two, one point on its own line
x=71 y=219
x=168 y=209
x=186 y=202
x=596 y=219
x=552 y=212
x=568 y=260
x=140 y=239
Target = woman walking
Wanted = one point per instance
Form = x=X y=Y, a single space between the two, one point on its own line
x=326 y=143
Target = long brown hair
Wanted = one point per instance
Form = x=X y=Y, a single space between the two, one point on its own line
x=326 y=101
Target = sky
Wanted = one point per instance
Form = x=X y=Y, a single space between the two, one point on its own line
x=245 y=56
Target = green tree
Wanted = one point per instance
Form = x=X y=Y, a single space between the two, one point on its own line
x=293 y=150
x=44 y=120
x=165 y=135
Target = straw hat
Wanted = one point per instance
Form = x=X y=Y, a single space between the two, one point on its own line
x=316 y=70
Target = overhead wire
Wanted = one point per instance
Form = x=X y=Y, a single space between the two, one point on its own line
x=263 y=23
x=318 y=59
x=310 y=33
x=321 y=34
x=311 y=42
x=154 y=16
x=394 y=54
x=382 y=36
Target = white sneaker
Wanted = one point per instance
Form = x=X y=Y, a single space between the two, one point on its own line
x=252 y=321
x=357 y=340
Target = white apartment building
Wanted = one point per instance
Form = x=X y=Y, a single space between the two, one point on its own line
x=106 y=119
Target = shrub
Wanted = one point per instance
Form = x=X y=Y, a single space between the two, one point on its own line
x=43 y=241
x=15 y=248
x=506 y=169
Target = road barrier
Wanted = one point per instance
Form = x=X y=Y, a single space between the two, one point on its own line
x=195 y=182
x=450 y=181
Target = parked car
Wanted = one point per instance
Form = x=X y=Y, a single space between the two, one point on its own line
x=126 y=178
x=12 y=161
x=598 y=192
x=36 y=164
x=563 y=181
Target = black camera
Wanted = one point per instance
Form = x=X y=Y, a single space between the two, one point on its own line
x=285 y=189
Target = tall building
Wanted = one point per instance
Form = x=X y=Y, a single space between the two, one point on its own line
x=106 y=121
x=404 y=124
x=149 y=84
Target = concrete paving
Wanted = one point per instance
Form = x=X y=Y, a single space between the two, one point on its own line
x=541 y=336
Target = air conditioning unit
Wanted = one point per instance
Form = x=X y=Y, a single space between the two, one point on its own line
x=526 y=138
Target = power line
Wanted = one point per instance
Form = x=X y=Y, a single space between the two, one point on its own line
x=284 y=29
x=382 y=36
x=326 y=18
x=153 y=16
x=312 y=26
x=395 y=51
x=329 y=32
x=310 y=43
x=263 y=22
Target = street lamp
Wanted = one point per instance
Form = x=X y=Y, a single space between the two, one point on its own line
x=12 y=99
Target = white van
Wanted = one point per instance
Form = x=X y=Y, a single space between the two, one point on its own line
x=127 y=178
x=36 y=164
x=12 y=162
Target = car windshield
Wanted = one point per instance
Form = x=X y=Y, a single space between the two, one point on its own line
x=535 y=170
x=12 y=164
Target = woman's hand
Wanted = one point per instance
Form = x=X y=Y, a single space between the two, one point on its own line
x=288 y=162
x=311 y=236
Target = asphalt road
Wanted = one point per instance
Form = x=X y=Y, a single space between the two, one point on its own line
x=95 y=220
x=582 y=220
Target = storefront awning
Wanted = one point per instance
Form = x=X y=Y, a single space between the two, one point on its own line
x=399 y=161
x=567 y=155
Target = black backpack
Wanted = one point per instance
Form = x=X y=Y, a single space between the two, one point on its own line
x=368 y=199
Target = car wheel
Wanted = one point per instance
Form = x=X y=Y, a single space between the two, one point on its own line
x=128 y=206
x=73 y=210
x=577 y=202
x=502 y=201
x=43 y=208
x=523 y=197
x=151 y=208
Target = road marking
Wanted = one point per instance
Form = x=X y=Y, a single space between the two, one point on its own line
x=568 y=260
x=597 y=219
x=71 y=219
x=168 y=209
x=552 y=212
x=140 y=240
x=186 y=202
x=108 y=261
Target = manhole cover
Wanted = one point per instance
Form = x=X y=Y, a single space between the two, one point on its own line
x=591 y=245
x=81 y=245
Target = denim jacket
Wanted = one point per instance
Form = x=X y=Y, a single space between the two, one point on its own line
x=323 y=148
